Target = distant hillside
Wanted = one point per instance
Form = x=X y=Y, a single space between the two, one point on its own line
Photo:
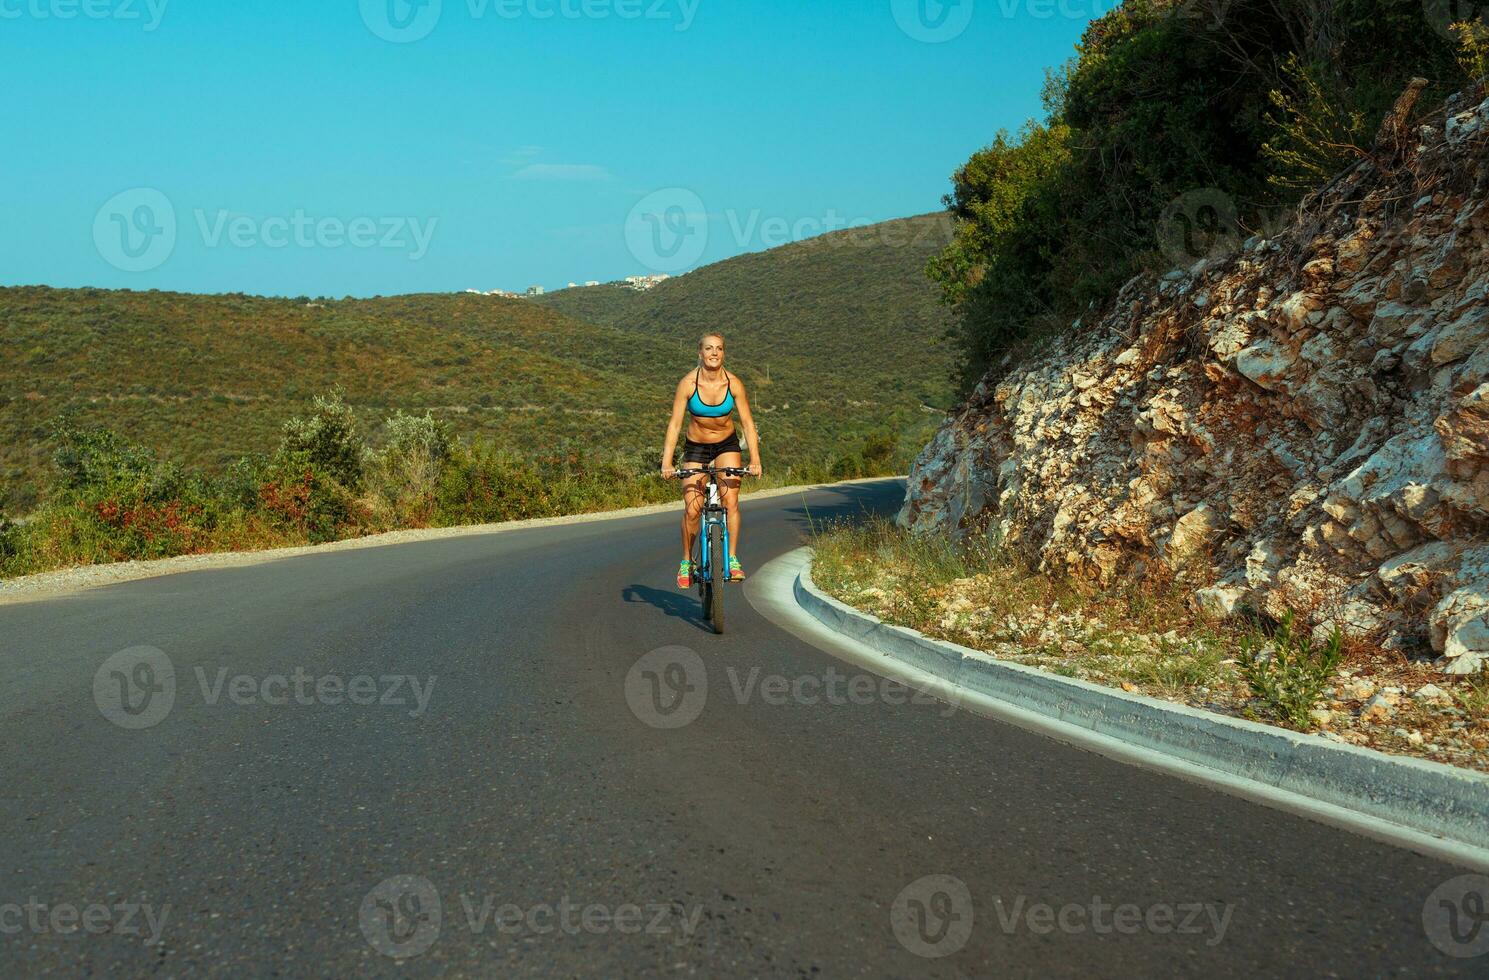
x=837 y=341
x=852 y=305
x=839 y=334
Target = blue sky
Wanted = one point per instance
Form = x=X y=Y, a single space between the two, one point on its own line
x=363 y=147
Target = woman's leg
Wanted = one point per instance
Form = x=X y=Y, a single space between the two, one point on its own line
x=692 y=514
x=730 y=487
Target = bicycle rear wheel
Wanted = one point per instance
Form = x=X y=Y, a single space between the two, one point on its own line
x=719 y=567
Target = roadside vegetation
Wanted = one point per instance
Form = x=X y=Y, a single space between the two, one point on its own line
x=1141 y=634
x=1253 y=103
x=109 y=499
x=839 y=342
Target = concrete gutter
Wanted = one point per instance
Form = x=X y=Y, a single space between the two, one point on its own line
x=1424 y=805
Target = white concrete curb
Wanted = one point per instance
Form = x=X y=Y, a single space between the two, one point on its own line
x=1428 y=797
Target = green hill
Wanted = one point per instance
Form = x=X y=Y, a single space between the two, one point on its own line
x=837 y=316
x=838 y=341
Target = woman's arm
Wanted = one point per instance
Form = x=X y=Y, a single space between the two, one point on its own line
x=674 y=427
x=742 y=398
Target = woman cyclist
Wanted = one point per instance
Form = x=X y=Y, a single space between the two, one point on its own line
x=710 y=395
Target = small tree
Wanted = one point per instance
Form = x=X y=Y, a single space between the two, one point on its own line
x=327 y=439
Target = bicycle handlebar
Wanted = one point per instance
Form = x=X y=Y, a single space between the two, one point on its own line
x=725 y=470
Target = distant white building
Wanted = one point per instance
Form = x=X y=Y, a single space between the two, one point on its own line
x=535 y=290
x=592 y=282
x=643 y=283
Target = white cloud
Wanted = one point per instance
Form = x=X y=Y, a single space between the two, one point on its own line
x=521 y=155
x=562 y=171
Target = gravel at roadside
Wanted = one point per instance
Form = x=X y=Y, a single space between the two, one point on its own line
x=69 y=580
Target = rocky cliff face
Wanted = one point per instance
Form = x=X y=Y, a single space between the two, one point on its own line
x=1302 y=424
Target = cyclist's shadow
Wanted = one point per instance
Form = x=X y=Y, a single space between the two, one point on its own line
x=679 y=605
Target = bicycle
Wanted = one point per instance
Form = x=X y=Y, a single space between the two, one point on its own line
x=711 y=546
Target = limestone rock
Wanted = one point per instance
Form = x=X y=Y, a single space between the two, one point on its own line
x=1310 y=416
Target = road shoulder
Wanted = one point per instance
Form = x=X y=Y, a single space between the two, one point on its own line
x=1427 y=807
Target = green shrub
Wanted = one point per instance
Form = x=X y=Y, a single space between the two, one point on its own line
x=327 y=439
x=1473 y=48
x=405 y=473
x=299 y=497
x=1257 y=106
x=94 y=459
x=1318 y=127
x=1287 y=672
x=482 y=484
x=10 y=542
x=238 y=486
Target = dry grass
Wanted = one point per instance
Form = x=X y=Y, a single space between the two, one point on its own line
x=1139 y=633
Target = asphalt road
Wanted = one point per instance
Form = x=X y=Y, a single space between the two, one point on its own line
x=515 y=810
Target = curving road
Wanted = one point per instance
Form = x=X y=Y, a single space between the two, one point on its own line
x=444 y=757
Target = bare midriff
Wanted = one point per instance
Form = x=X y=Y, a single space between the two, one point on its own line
x=702 y=429
x=710 y=430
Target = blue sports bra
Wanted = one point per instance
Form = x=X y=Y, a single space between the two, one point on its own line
x=702 y=409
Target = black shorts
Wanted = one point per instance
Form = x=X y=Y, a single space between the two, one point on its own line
x=707 y=452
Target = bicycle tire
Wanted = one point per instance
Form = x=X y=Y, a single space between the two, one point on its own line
x=719 y=563
x=700 y=577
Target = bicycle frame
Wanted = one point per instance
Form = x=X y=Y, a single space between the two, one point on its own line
x=713 y=513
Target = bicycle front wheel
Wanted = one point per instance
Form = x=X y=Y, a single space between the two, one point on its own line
x=719 y=563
